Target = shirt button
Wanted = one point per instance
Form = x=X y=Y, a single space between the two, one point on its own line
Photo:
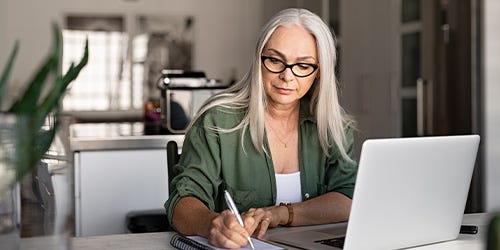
x=306 y=195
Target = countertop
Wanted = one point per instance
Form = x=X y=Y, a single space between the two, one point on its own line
x=97 y=137
x=124 y=142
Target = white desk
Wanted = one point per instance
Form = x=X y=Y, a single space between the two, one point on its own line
x=160 y=241
x=466 y=241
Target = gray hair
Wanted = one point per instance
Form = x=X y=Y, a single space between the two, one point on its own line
x=249 y=93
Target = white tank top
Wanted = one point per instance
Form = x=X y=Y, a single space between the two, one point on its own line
x=288 y=188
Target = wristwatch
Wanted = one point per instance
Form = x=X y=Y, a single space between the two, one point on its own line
x=290 y=212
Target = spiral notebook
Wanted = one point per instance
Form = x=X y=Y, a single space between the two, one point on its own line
x=200 y=243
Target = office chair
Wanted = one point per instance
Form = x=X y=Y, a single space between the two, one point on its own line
x=172 y=158
x=154 y=220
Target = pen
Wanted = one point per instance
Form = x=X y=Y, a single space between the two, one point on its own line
x=234 y=210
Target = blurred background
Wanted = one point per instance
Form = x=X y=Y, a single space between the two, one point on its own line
x=406 y=67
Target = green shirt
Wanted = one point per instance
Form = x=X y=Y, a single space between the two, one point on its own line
x=212 y=161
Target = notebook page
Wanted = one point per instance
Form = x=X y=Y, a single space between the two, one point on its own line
x=259 y=244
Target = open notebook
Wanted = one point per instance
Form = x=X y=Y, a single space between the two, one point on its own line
x=201 y=243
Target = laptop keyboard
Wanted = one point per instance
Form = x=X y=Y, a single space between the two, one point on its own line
x=334 y=242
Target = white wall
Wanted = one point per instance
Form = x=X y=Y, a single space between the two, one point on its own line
x=225 y=30
x=492 y=103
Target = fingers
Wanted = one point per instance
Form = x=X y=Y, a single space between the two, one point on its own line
x=264 y=225
x=226 y=232
x=257 y=221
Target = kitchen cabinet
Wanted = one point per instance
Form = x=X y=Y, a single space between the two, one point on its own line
x=112 y=180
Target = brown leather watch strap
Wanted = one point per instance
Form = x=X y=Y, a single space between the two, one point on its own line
x=290 y=212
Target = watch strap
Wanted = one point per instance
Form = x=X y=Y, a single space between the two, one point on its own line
x=290 y=212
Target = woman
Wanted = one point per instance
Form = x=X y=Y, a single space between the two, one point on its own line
x=278 y=141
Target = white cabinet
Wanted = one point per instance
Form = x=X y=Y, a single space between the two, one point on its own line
x=111 y=183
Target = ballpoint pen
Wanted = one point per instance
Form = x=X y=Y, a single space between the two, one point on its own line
x=234 y=210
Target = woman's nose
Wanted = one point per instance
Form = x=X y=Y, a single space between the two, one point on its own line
x=287 y=75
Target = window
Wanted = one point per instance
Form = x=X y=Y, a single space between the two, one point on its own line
x=125 y=63
x=112 y=80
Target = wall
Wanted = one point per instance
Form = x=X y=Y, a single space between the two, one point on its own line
x=225 y=30
x=3 y=26
x=491 y=79
x=367 y=64
x=269 y=8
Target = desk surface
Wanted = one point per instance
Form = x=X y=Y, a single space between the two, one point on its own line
x=160 y=241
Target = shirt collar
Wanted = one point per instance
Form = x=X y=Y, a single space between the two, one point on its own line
x=305 y=114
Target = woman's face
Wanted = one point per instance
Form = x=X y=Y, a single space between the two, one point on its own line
x=290 y=45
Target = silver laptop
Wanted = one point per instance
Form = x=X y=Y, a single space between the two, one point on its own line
x=409 y=192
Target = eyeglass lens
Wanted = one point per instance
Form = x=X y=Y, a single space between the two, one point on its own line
x=277 y=66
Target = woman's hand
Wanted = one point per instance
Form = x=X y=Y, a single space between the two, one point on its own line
x=192 y=217
x=258 y=220
x=226 y=232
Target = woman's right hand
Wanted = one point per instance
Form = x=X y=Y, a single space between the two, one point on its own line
x=226 y=232
x=192 y=217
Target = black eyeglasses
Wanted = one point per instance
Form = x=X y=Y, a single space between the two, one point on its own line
x=275 y=65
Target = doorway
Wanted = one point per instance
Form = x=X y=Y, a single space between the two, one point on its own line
x=408 y=69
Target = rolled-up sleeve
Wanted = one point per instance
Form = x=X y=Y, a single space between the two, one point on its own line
x=197 y=173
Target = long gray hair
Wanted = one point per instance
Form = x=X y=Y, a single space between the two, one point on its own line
x=249 y=93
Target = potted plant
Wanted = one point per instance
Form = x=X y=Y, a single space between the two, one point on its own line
x=26 y=133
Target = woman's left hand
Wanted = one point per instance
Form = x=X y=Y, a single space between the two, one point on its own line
x=260 y=219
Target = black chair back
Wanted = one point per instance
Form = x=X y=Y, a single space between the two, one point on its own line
x=172 y=158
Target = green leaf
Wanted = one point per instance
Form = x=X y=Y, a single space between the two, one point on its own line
x=44 y=140
x=25 y=133
x=57 y=45
x=58 y=89
x=30 y=97
x=6 y=72
x=33 y=146
x=27 y=103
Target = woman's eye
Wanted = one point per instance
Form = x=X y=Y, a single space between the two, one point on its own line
x=304 y=66
x=274 y=60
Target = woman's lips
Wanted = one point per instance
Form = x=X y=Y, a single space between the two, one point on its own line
x=283 y=90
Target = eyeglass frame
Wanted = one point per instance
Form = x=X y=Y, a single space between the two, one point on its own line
x=264 y=58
